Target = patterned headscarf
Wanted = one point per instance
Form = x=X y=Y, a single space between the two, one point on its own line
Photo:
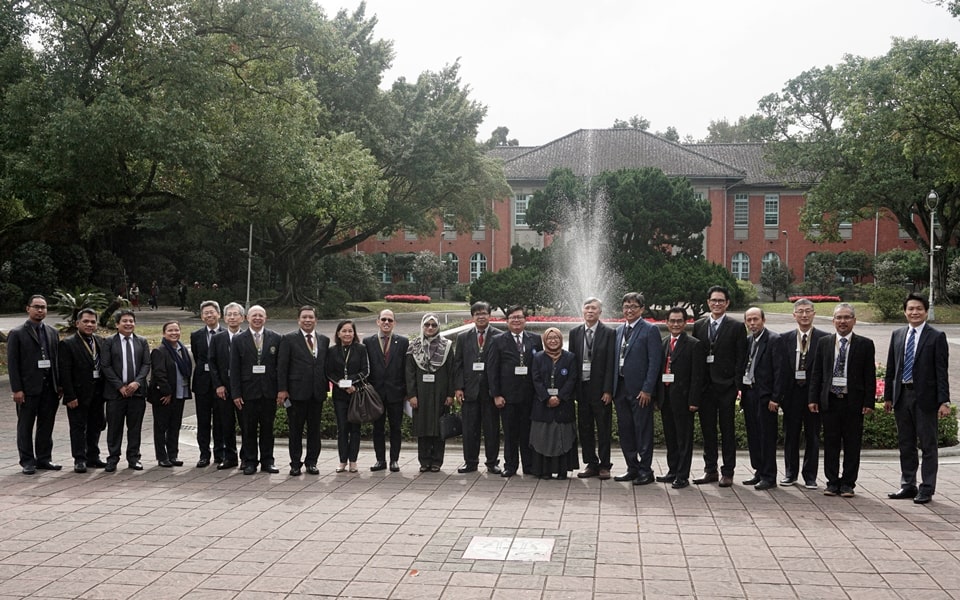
x=430 y=352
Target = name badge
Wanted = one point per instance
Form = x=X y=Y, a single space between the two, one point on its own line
x=345 y=383
x=43 y=363
x=667 y=378
x=621 y=362
x=206 y=367
x=839 y=381
x=800 y=375
x=747 y=380
x=429 y=377
x=287 y=403
x=478 y=366
x=96 y=373
x=709 y=359
x=520 y=370
x=586 y=366
x=259 y=369
x=552 y=391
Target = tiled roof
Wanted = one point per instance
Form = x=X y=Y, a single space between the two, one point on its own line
x=588 y=152
x=505 y=153
x=750 y=157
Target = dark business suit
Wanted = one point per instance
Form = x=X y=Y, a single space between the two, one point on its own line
x=230 y=415
x=796 y=414
x=842 y=414
x=479 y=414
x=81 y=377
x=205 y=395
x=168 y=418
x=389 y=380
x=764 y=367
x=120 y=409
x=301 y=372
x=517 y=391
x=915 y=406
x=25 y=348
x=729 y=352
x=258 y=391
x=591 y=386
x=675 y=398
x=640 y=352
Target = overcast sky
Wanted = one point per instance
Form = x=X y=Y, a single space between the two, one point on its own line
x=547 y=68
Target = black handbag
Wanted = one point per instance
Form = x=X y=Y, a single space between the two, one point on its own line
x=451 y=425
x=365 y=404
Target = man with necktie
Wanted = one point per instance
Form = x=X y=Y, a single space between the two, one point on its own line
x=387 y=352
x=81 y=376
x=219 y=358
x=761 y=385
x=205 y=395
x=472 y=392
x=126 y=365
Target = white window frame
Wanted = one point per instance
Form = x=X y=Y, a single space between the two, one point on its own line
x=771 y=210
x=741 y=208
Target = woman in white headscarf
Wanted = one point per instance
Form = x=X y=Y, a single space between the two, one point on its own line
x=553 y=433
x=430 y=385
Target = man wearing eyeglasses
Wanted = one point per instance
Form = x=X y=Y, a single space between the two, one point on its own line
x=387 y=351
x=32 y=365
x=473 y=392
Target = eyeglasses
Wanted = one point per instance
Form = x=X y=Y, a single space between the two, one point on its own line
x=631 y=307
x=808 y=311
x=385 y=320
x=676 y=321
x=516 y=318
x=38 y=306
x=843 y=317
x=717 y=300
x=430 y=325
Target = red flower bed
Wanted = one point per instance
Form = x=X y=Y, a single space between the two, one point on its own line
x=409 y=298
x=816 y=298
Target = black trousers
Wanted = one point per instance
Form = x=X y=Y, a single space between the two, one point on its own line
x=38 y=412
x=300 y=414
x=122 y=411
x=516 y=436
x=718 y=407
x=768 y=428
x=430 y=451
x=392 y=412
x=480 y=416
x=230 y=418
x=208 y=423
x=748 y=404
x=635 y=428
x=258 y=416
x=916 y=425
x=594 y=415
x=678 y=434
x=799 y=422
x=167 y=419
x=348 y=434
x=842 y=430
x=87 y=420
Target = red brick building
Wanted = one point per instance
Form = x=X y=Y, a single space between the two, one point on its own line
x=755 y=217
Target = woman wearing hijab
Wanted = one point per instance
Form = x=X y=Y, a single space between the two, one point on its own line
x=347 y=364
x=430 y=385
x=553 y=432
x=169 y=387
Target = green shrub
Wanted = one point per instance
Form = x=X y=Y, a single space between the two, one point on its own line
x=888 y=302
x=11 y=297
x=748 y=293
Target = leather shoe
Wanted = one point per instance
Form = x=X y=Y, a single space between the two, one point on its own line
x=588 y=473
x=467 y=469
x=764 y=485
x=628 y=476
x=313 y=470
x=643 y=480
x=249 y=469
x=295 y=472
x=668 y=478
x=269 y=469
x=29 y=470
x=96 y=464
x=494 y=470
x=707 y=478
x=904 y=493
x=726 y=481
x=165 y=463
x=604 y=474
x=378 y=466
x=679 y=484
x=48 y=466
x=136 y=465
x=787 y=481
x=203 y=463
x=752 y=481
x=922 y=498
x=831 y=490
x=177 y=463
x=394 y=466
x=110 y=467
x=227 y=464
x=846 y=491
x=79 y=467
x=507 y=473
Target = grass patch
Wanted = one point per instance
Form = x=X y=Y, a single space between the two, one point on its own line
x=373 y=308
x=947 y=313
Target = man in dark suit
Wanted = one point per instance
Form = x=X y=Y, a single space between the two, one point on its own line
x=387 y=353
x=593 y=345
x=726 y=354
x=679 y=392
x=635 y=374
x=917 y=389
x=799 y=351
x=126 y=364
x=761 y=386
x=253 y=382
x=230 y=415
x=205 y=395
x=81 y=376
x=843 y=388
x=472 y=392
x=510 y=377
x=303 y=386
x=32 y=365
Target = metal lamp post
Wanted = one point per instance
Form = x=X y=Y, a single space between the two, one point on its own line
x=933 y=199
x=787 y=241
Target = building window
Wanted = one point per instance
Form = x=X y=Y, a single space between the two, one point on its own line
x=479 y=229
x=453 y=263
x=741 y=210
x=478 y=265
x=520 y=203
x=771 y=210
x=740 y=266
x=768 y=258
x=385 y=275
x=409 y=235
x=449 y=231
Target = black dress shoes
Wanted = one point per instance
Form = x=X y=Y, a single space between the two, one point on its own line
x=668 y=478
x=313 y=470
x=628 y=476
x=227 y=464
x=269 y=469
x=165 y=463
x=394 y=466
x=48 y=466
x=904 y=493
x=752 y=481
x=378 y=466
x=725 y=481
x=96 y=464
x=494 y=470
x=28 y=470
x=136 y=465
x=707 y=478
x=249 y=469
x=176 y=463
x=110 y=467
x=295 y=472
x=764 y=485
x=507 y=473
x=467 y=469
x=79 y=467
x=203 y=463
x=922 y=498
x=643 y=480
x=679 y=484
x=588 y=473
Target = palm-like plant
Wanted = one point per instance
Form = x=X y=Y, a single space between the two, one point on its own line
x=69 y=304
